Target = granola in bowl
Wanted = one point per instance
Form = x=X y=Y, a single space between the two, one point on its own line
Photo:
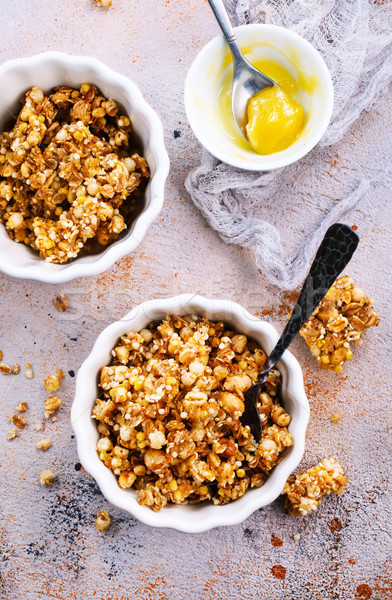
x=169 y=416
x=70 y=175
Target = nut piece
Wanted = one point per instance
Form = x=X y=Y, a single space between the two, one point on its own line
x=103 y=520
x=341 y=317
x=13 y=433
x=47 y=477
x=60 y=303
x=44 y=444
x=5 y=369
x=305 y=490
x=52 y=382
x=22 y=406
x=18 y=420
x=51 y=405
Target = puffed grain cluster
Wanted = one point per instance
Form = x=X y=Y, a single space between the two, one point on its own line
x=169 y=414
x=304 y=491
x=68 y=172
x=341 y=317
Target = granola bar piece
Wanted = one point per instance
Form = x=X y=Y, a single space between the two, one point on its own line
x=305 y=490
x=341 y=317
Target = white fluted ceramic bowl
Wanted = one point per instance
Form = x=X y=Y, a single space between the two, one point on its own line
x=197 y=517
x=47 y=71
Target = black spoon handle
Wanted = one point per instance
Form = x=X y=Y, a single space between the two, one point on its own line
x=334 y=253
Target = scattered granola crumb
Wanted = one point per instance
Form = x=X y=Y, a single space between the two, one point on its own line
x=12 y=434
x=1 y=354
x=51 y=405
x=5 y=369
x=38 y=427
x=15 y=369
x=104 y=3
x=60 y=303
x=29 y=373
x=22 y=406
x=44 y=444
x=305 y=490
x=340 y=318
x=335 y=418
x=52 y=382
x=47 y=477
x=103 y=520
x=18 y=420
x=296 y=537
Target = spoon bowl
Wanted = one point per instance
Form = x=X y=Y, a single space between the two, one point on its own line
x=247 y=80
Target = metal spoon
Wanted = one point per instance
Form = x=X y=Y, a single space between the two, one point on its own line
x=334 y=253
x=247 y=80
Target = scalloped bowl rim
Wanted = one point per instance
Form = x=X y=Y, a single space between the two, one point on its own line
x=185 y=518
x=37 y=269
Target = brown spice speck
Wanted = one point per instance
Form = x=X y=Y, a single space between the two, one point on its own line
x=352 y=561
x=278 y=571
x=355 y=227
x=335 y=525
x=364 y=591
x=275 y=541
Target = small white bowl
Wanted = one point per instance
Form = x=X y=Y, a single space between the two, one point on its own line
x=47 y=71
x=197 y=517
x=269 y=42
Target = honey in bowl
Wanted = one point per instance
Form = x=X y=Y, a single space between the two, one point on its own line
x=276 y=117
x=275 y=120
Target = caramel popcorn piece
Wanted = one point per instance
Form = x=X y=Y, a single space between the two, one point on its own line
x=169 y=417
x=341 y=317
x=103 y=3
x=305 y=490
x=52 y=382
x=68 y=173
x=22 y=406
x=18 y=420
x=13 y=433
x=44 y=444
x=103 y=520
x=51 y=405
x=15 y=369
x=60 y=303
x=47 y=477
x=29 y=373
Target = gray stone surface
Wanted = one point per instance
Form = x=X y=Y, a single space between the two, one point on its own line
x=49 y=545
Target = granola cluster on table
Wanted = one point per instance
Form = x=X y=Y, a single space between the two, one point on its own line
x=341 y=317
x=305 y=490
x=169 y=416
x=69 y=173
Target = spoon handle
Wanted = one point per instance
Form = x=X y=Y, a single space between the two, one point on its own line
x=334 y=253
x=222 y=17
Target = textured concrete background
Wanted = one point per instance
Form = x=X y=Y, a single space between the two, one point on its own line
x=49 y=545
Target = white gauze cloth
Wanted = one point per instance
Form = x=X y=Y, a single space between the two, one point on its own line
x=355 y=39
